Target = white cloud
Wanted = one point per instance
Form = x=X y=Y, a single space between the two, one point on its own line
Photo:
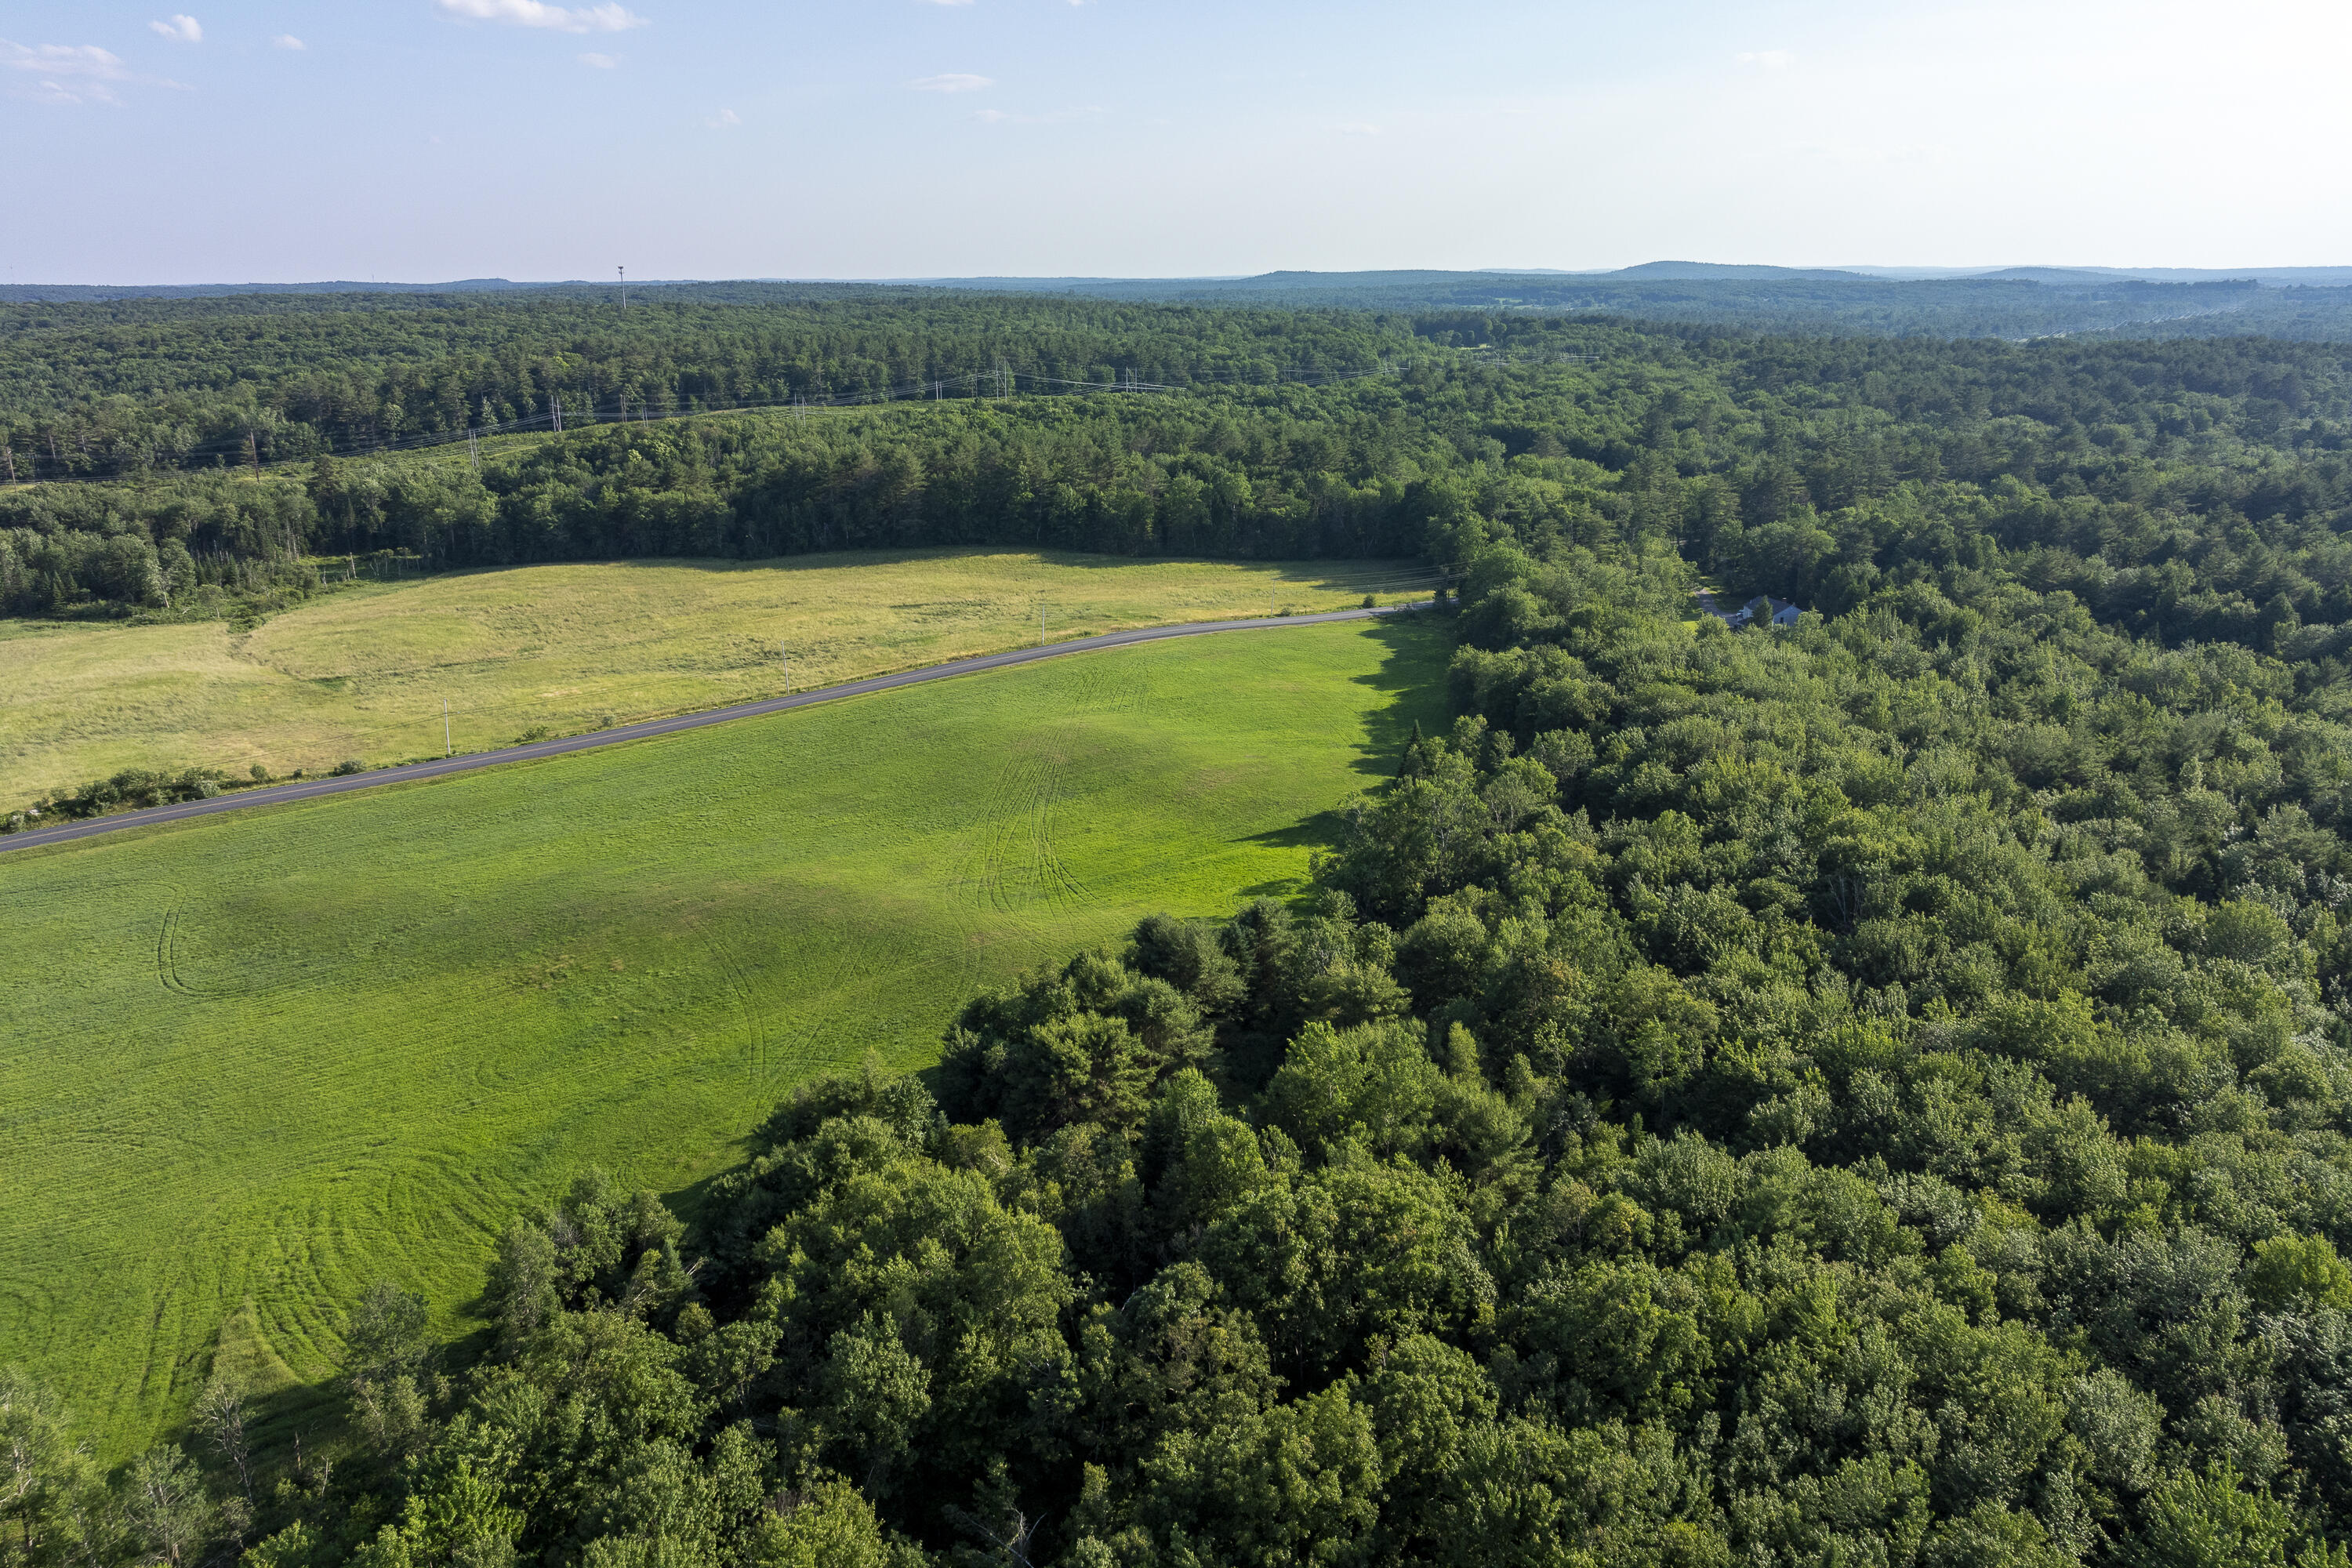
x=1357 y=128
x=70 y=73
x=606 y=19
x=1766 y=59
x=186 y=30
x=601 y=62
x=952 y=82
x=84 y=60
x=951 y=2
x=288 y=41
x=722 y=120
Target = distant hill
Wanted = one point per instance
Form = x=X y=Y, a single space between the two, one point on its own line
x=1705 y=271
x=2092 y=277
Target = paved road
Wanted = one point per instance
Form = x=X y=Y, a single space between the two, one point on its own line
x=310 y=789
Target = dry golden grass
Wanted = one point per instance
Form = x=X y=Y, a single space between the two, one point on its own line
x=364 y=673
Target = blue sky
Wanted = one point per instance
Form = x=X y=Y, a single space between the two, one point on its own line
x=418 y=139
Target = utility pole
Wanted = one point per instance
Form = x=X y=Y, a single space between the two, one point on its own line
x=625 y=288
x=11 y=450
x=448 y=746
x=1041 y=620
x=474 y=450
x=555 y=405
x=784 y=656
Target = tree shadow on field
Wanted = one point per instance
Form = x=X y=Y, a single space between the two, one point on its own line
x=1412 y=676
x=1315 y=832
x=691 y=1201
x=311 y=1417
x=310 y=1414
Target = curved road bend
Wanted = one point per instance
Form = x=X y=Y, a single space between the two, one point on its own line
x=310 y=789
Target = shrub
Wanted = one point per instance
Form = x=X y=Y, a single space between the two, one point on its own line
x=131 y=789
x=348 y=765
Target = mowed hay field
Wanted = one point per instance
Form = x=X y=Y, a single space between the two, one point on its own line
x=252 y=1063
x=364 y=673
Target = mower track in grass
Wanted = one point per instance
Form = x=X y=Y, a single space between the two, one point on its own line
x=252 y=1063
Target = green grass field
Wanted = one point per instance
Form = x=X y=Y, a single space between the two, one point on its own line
x=252 y=1063
x=364 y=673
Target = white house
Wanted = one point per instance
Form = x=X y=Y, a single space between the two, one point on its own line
x=1763 y=607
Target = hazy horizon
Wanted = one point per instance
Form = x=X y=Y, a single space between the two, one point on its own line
x=269 y=141
x=1872 y=271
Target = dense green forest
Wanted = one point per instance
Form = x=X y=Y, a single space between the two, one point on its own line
x=2131 y=471
x=1878 y=1091
x=142 y=385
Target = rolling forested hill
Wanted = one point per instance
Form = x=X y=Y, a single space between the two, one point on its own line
x=1873 y=1091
